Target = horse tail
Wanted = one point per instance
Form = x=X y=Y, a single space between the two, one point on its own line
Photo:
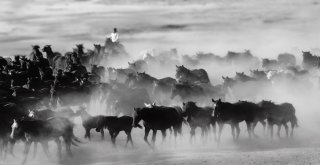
x=75 y=140
x=294 y=120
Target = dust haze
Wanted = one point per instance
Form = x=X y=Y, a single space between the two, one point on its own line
x=266 y=28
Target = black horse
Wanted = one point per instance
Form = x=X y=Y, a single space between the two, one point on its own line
x=158 y=118
x=44 y=131
x=280 y=114
x=116 y=124
x=8 y=112
x=89 y=122
x=233 y=114
x=198 y=117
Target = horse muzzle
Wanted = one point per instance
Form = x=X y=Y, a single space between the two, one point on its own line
x=137 y=125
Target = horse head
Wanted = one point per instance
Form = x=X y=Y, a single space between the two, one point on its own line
x=137 y=117
x=15 y=128
x=47 y=48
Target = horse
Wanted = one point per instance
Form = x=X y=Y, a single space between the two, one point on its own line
x=192 y=76
x=198 y=117
x=280 y=114
x=138 y=66
x=48 y=113
x=89 y=122
x=50 y=54
x=287 y=59
x=43 y=131
x=98 y=70
x=8 y=112
x=310 y=61
x=158 y=118
x=116 y=124
x=233 y=114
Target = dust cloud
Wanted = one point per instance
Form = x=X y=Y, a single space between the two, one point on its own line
x=266 y=28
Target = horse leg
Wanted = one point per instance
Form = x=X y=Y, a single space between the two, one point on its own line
x=130 y=138
x=238 y=130
x=35 y=146
x=146 y=133
x=26 y=151
x=88 y=134
x=68 y=141
x=115 y=134
x=164 y=134
x=254 y=124
x=287 y=129
x=128 y=133
x=102 y=133
x=58 y=142
x=214 y=129
x=175 y=133
x=271 y=131
x=220 y=131
x=232 y=132
x=264 y=126
x=249 y=128
x=154 y=135
x=11 y=145
x=292 y=127
x=192 y=134
x=45 y=148
x=279 y=129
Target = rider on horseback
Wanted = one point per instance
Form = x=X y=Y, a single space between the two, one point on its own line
x=36 y=54
x=114 y=36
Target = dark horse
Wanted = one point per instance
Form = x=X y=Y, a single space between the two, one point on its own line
x=183 y=74
x=116 y=124
x=43 y=131
x=89 y=122
x=158 y=118
x=233 y=114
x=198 y=117
x=280 y=114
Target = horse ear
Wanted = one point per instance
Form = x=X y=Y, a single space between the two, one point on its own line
x=177 y=66
x=183 y=103
x=223 y=78
x=213 y=100
x=135 y=109
x=219 y=101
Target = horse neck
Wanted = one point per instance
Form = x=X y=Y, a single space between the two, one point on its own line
x=50 y=53
x=80 y=52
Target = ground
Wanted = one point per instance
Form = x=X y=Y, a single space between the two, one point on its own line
x=299 y=150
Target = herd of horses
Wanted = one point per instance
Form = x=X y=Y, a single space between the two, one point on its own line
x=36 y=95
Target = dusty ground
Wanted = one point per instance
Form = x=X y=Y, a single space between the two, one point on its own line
x=258 y=151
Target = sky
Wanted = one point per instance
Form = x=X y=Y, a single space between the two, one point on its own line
x=267 y=28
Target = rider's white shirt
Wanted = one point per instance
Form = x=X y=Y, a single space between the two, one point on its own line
x=114 y=37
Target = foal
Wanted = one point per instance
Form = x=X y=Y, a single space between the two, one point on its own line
x=116 y=124
x=89 y=122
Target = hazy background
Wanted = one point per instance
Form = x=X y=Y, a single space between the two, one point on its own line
x=266 y=27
